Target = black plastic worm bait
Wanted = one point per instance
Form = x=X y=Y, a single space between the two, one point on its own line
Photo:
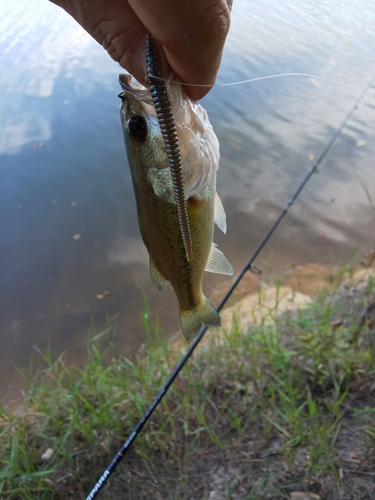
x=164 y=113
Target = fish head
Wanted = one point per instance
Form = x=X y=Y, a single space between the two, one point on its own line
x=199 y=147
x=143 y=139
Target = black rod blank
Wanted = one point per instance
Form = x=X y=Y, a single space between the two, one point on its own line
x=249 y=265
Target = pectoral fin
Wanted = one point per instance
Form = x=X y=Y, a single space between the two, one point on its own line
x=217 y=262
x=157 y=279
x=220 y=217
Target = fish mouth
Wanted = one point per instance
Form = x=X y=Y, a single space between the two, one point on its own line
x=133 y=90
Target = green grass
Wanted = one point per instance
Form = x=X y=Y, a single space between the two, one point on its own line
x=257 y=416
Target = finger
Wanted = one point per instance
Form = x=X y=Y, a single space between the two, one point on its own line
x=192 y=35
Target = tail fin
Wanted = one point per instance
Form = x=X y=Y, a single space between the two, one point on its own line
x=193 y=320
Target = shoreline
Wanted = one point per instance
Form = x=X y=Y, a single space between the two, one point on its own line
x=281 y=406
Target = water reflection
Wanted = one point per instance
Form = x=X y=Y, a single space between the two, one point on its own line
x=34 y=127
x=68 y=217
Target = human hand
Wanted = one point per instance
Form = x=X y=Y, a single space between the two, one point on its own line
x=190 y=33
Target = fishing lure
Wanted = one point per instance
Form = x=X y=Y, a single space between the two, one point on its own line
x=164 y=113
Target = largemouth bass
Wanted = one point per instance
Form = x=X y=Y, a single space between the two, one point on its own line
x=155 y=198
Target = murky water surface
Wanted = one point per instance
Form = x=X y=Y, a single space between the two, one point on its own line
x=68 y=218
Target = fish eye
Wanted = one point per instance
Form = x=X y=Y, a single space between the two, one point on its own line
x=137 y=128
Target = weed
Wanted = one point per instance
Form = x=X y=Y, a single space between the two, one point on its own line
x=254 y=416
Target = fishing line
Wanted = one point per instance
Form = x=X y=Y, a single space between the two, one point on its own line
x=249 y=266
x=267 y=77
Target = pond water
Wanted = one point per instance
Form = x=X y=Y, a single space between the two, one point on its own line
x=68 y=226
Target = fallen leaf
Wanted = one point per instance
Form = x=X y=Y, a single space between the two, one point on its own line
x=48 y=481
x=102 y=295
x=304 y=336
x=47 y=454
x=336 y=323
x=304 y=495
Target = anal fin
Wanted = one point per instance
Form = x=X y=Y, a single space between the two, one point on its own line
x=218 y=263
x=157 y=279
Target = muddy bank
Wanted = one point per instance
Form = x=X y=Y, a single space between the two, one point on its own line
x=255 y=300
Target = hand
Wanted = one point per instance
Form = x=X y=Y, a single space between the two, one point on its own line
x=190 y=33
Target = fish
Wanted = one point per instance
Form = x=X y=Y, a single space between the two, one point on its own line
x=156 y=203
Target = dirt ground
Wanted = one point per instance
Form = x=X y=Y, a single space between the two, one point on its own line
x=255 y=467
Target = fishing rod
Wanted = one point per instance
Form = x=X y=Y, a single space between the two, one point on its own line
x=248 y=266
